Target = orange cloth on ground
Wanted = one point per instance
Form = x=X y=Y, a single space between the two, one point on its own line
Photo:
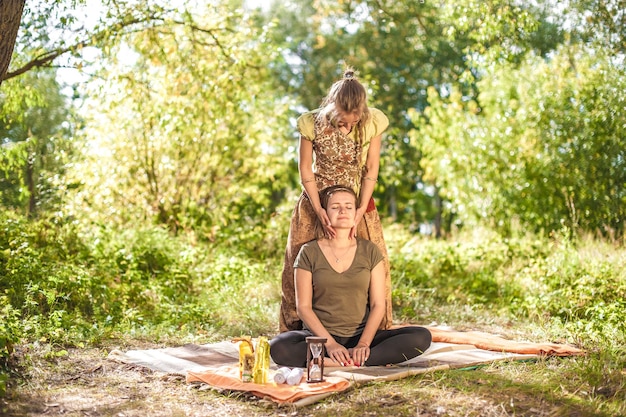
x=228 y=378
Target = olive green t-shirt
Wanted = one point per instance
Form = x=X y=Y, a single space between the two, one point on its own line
x=340 y=300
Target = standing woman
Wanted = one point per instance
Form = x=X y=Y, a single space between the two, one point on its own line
x=339 y=145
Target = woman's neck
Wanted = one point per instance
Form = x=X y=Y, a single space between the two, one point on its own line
x=342 y=238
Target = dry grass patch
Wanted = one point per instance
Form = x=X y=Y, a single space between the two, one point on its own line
x=85 y=383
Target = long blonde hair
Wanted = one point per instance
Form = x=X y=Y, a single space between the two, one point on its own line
x=347 y=95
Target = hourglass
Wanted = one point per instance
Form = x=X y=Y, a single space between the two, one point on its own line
x=315 y=359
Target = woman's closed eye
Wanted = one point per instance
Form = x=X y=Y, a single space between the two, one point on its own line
x=347 y=125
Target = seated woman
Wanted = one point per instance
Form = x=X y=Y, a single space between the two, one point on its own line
x=340 y=295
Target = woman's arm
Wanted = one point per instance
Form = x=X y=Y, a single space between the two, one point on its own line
x=361 y=351
x=304 y=307
x=307 y=178
x=368 y=181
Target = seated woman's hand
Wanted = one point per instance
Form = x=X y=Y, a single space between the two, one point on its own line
x=360 y=353
x=338 y=353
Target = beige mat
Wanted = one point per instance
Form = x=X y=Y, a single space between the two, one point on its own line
x=216 y=364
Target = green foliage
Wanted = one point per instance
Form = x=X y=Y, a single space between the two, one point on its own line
x=542 y=145
x=10 y=335
x=188 y=91
x=240 y=295
x=199 y=142
x=560 y=282
x=68 y=284
x=585 y=292
x=598 y=23
x=430 y=273
x=35 y=147
x=45 y=277
x=150 y=275
x=494 y=29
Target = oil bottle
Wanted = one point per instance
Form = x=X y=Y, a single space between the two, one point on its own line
x=246 y=358
x=261 y=361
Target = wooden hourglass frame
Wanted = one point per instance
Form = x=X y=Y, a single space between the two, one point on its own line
x=315 y=352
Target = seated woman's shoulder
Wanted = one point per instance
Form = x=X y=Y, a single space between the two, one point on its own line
x=310 y=244
x=366 y=242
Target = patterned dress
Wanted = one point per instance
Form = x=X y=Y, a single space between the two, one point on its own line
x=339 y=159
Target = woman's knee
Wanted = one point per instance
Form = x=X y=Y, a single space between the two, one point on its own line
x=285 y=353
x=423 y=338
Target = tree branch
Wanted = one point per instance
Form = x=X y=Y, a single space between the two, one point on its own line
x=151 y=22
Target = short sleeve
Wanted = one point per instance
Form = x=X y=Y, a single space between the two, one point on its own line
x=306 y=125
x=373 y=253
x=377 y=124
x=304 y=260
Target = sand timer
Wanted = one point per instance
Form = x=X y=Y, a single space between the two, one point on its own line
x=315 y=359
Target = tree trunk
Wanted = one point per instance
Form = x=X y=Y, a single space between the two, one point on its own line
x=393 y=204
x=439 y=214
x=10 y=18
x=30 y=184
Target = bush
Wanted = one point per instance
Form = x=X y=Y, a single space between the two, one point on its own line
x=427 y=273
x=10 y=333
x=574 y=286
x=68 y=284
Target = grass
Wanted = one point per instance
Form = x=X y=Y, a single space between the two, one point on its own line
x=167 y=292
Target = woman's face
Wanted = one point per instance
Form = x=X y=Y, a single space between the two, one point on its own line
x=346 y=121
x=341 y=209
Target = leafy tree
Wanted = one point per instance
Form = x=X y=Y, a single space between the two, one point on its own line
x=543 y=145
x=66 y=32
x=501 y=30
x=400 y=47
x=598 y=22
x=34 y=132
x=187 y=128
x=204 y=72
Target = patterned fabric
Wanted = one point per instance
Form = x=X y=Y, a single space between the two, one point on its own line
x=337 y=158
x=374 y=126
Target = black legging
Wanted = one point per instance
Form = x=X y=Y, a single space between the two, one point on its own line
x=388 y=347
